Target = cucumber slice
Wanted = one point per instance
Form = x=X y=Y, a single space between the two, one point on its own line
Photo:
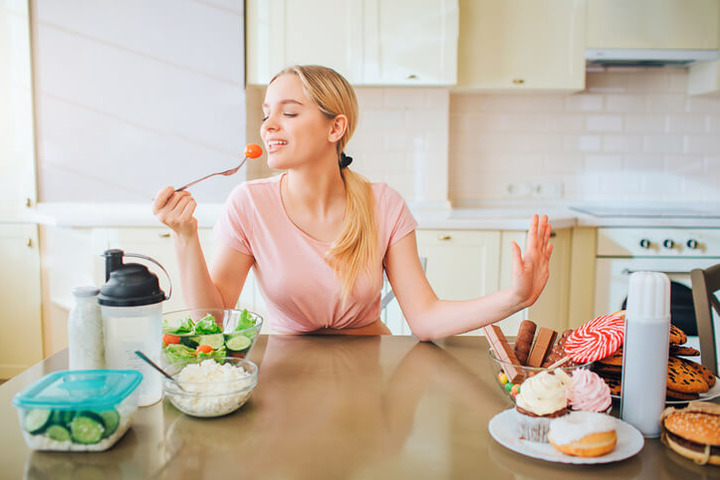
x=36 y=420
x=238 y=343
x=215 y=340
x=111 y=420
x=87 y=428
x=58 y=432
x=62 y=417
x=190 y=341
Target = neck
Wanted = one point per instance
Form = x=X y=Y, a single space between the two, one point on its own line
x=319 y=190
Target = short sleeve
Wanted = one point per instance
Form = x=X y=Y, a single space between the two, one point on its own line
x=234 y=226
x=397 y=218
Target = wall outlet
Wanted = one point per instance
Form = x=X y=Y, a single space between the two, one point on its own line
x=548 y=190
x=518 y=189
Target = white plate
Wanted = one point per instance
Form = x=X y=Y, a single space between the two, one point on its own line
x=504 y=429
x=714 y=392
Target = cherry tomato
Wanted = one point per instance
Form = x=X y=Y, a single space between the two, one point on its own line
x=169 y=339
x=253 y=150
x=204 y=349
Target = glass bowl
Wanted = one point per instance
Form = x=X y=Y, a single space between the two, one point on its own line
x=511 y=389
x=210 y=387
x=232 y=337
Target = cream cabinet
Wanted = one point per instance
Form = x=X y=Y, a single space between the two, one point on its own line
x=517 y=45
x=661 y=24
x=461 y=264
x=21 y=342
x=370 y=42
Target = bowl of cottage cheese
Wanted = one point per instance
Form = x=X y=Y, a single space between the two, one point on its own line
x=210 y=387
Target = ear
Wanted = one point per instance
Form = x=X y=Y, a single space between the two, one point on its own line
x=338 y=125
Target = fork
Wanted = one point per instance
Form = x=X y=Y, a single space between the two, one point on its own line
x=231 y=171
x=252 y=150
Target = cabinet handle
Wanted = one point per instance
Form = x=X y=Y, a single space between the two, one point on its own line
x=28 y=202
x=164 y=235
x=29 y=243
x=412 y=76
x=518 y=81
x=444 y=237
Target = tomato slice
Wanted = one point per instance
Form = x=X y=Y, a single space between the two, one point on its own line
x=169 y=339
x=253 y=150
x=204 y=349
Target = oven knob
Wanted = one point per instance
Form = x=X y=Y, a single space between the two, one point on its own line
x=645 y=243
x=692 y=244
x=668 y=243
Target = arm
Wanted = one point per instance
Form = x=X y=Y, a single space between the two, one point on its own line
x=230 y=268
x=430 y=318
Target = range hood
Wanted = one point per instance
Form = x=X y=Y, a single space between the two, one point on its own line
x=627 y=57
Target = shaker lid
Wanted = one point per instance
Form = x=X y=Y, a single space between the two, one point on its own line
x=129 y=284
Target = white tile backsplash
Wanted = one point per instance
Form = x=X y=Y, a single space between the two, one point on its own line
x=633 y=134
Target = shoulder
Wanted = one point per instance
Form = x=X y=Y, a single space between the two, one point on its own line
x=385 y=195
x=254 y=190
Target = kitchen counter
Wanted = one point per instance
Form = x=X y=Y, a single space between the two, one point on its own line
x=330 y=407
x=492 y=217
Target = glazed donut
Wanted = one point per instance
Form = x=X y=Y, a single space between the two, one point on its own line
x=583 y=434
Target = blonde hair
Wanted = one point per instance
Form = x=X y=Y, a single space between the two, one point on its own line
x=356 y=248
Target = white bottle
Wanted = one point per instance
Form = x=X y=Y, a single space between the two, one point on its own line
x=86 y=345
x=645 y=351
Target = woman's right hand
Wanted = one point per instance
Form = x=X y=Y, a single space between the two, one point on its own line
x=175 y=209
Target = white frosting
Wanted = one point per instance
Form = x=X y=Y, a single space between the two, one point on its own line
x=545 y=393
x=576 y=425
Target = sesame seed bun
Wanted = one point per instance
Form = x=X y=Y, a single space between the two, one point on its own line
x=694 y=431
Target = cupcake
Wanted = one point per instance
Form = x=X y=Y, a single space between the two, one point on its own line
x=541 y=398
x=588 y=392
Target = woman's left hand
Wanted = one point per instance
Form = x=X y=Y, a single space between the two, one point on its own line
x=531 y=270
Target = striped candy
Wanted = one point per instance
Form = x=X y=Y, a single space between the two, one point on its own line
x=595 y=339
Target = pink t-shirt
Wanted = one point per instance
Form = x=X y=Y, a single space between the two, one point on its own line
x=301 y=290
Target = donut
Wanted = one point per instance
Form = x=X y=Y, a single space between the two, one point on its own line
x=583 y=434
x=595 y=339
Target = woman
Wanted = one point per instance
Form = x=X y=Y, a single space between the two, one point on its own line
x=319 y=235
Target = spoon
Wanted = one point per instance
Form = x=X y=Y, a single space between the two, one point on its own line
x=156 y=367
x=252 y=150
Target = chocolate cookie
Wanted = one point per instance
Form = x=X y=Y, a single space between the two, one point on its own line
x=673 y=395
x=683 y=351
x=705 y=372
x=684 y=378
x=614 y=384
x=677 y=336
x=614 y=371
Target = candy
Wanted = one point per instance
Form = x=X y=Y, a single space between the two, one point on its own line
x=515 y=390
x=503 y=378
x=504 y=353
x=595 y=339
x=508 y=386
x=524 y=340
x=543 y=343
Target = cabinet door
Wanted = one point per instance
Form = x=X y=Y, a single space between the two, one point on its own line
x=288 y=32
x=410 y=42
x=461 y=264
x=521 y=45
x=21 y=342
x=551 y=309
x=670 y=24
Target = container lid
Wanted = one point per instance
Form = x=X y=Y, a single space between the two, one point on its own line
x=79 y=389
x=128 y=284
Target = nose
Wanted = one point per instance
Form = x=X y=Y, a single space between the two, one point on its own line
x=269 y=125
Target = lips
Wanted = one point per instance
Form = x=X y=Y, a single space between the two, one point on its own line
x=274 y=145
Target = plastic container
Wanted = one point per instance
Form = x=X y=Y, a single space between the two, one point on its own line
x=645 y=352
x=78 y=410
x=86 y=345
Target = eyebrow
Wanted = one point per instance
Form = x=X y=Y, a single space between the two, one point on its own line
x=285 y=102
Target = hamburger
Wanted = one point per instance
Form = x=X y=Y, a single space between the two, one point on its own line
x=693 y=432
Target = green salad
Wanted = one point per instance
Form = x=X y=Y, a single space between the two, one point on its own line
x=184 y=339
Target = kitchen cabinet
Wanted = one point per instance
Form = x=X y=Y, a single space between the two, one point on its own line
x=516 y=45
x=661 y=24
x=461 y=264
x=370 y=42
x=21 y=342
x=704 y=78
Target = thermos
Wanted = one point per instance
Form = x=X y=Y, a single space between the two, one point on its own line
x=645 y=351
x=131 y=304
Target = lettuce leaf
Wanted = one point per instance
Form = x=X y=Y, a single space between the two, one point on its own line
x=175 y=352
x=207 y=326
x=246 y=321
x=178 y=326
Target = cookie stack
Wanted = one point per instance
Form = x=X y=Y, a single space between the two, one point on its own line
x=686 y=379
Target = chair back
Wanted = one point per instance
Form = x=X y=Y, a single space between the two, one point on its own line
x=705 y=285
